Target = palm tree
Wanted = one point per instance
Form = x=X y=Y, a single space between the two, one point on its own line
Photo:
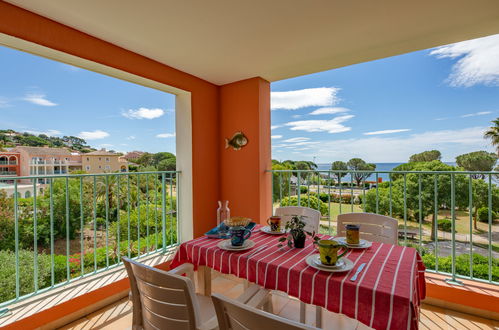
x=493 y=134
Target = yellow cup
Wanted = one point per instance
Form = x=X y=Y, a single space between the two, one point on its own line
x=328 y=250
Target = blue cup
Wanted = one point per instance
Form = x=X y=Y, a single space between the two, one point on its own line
x=238 y=235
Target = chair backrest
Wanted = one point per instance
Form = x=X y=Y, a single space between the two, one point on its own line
x=311 y=217
x=233 y=315
x=161 y=300
x=373 y=227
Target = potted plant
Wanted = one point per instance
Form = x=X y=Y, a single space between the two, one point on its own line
x=296 y=234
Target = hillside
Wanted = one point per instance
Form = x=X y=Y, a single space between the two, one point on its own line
x=10 y=138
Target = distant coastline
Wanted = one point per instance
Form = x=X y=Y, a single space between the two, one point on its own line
x=379 y=167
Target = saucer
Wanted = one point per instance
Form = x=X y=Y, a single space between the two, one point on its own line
x=317 y=260
x=227 y=245
x=363 y=244
x=267 y=230
x=348 y=265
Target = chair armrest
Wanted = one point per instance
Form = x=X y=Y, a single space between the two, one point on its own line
x=187 y=269
x=211 y=324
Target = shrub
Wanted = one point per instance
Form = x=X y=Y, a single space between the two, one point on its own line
x=480 y=265
x=150 y=219
x=324 y=197
x=344 y=198
x=26 y=269
x=307 y=201
x=384 y=202
x=303 y=189
x=483 y=215
x=445 y=225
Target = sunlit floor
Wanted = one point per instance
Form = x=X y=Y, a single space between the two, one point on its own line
x=119 y=314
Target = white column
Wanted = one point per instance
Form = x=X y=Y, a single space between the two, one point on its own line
x=183 y=129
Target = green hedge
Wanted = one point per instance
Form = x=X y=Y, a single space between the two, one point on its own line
x=306 y=201
x=480 y=265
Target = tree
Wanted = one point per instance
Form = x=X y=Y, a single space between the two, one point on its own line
x=74 y=142
x=426 y=156
x=493 y=134
x=281 y=181
x=303 y=166
x=339 y=166
x=168 y=164
x=147 y=159
x=481 y=161
x=160 y=156
x=311 y=165
x=357 y=164
x=413 y=194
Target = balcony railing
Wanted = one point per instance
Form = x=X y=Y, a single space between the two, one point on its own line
x=76 y=226
x=8 y=173
x=449 y=216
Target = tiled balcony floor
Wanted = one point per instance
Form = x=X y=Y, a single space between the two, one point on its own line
x=119 y=314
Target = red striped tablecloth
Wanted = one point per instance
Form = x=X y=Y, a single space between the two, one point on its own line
x=386 y=295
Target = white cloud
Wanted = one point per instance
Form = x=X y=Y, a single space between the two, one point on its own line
x=302 y=98
x=105 y=145
x=481 y=113
x=388 y=131
x=443 y=118
x=398 y=149
x=93 y=135
x=38 y=99
x=297 y=139
x=166 y=135
x=131 y=137
x=328 y=111
x=304 y=143
x=4 y=103
x=331 y=126
x=143 y=113
x=478 y=62
x=50 y=132
x=276 y=136
x=274 y=127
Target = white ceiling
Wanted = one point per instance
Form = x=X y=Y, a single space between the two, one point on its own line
x=228 y=40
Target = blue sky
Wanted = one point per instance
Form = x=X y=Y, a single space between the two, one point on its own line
x=381 y=111
x=43 y=96
x=386 y=110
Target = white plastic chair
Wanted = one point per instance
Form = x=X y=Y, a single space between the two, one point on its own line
x=373 y=227
x=167 y=300
x=233 y=315
x=312 y=219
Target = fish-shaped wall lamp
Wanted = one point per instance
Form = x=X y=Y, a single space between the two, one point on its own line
x=237 y=141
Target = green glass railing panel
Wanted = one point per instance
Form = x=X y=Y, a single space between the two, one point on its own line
x=61 y=228
x=449 y=216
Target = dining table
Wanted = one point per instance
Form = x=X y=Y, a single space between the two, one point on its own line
x=386 y=294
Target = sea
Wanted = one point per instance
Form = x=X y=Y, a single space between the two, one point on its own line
x=379 y=167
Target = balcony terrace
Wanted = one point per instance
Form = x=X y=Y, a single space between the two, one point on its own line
x=219 y=64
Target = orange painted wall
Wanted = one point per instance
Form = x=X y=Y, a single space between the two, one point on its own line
x=26 y=25
x=245 y=106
